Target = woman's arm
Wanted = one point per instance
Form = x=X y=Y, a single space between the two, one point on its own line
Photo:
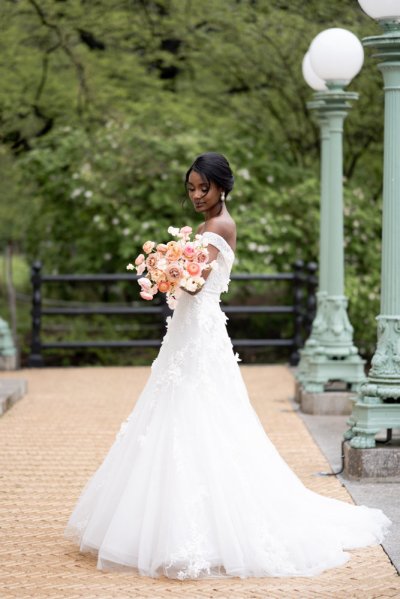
x=212 y=250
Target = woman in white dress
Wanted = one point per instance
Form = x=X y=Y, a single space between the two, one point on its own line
x=192 y=487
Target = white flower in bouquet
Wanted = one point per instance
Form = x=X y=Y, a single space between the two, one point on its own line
x=173 y=231
x=193 y=283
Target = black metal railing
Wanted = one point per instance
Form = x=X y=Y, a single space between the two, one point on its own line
x=302 y=311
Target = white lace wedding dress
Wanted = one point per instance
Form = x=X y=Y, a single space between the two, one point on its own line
x=192 y=486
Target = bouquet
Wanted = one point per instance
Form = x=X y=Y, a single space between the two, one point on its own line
x=173 y=266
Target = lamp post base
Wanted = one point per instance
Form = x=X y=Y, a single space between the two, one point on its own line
x=372 y=465
x=376 y=407
x=9 y=362
x=321 y=369
x=329 y=353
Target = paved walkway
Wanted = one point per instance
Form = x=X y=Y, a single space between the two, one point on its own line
x=53 y=439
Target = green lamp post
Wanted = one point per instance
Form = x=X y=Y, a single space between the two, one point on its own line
x=377 y=405
x=335 y=57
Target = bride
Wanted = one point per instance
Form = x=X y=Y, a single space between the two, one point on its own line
x=192 y=486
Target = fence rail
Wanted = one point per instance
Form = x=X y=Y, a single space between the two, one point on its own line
x=303 y=280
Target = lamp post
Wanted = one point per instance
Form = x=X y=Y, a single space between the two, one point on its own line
x=335 y=57
x=377 y=405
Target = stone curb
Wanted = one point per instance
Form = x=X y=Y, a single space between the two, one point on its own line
x=11 y=390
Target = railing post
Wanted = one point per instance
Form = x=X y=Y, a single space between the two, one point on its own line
x=298 y=268
x=35 y=357
x=311 y=304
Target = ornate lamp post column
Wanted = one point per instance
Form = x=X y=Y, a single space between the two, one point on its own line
x=377 y=406
x=317 y=107
x=335 y=57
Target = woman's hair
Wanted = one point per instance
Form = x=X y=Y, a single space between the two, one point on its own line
x=212 y=166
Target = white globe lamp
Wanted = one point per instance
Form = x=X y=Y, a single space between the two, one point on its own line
x=310 y=77
x=385 y=10
x=336 y=56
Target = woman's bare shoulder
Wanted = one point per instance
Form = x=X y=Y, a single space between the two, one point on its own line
x=226 y=228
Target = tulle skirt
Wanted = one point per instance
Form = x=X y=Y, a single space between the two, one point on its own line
x=192 y=487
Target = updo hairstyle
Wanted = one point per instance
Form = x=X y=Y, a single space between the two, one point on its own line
x=212 y=166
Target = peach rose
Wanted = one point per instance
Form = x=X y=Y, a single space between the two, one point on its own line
x=163 y=286
x=146 y=295
x=158 y=275
x=194 y=269
x=173 y=272
x=139 y=259
x=202 y=256
x=189 y=250
x=148 y=246
x=151 y=261
x=162 y=248
x=174 y=251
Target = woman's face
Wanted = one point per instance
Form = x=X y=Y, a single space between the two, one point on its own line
x=203 y=196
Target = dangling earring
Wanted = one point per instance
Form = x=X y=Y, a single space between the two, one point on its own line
x=222 y=198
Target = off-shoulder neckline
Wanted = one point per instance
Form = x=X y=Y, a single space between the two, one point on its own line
x=223 y=239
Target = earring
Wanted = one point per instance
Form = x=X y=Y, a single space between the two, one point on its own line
x=222 y=197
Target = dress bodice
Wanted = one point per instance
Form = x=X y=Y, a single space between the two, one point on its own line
x=218 y=279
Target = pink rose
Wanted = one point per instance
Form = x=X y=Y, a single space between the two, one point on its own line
x=189 y=250
x=186 y=230
x=139 y=259
x=193 y=268
x=148 y=246
x=144 y=283
x=141 y=268
x=161 y=247
x=145 y=295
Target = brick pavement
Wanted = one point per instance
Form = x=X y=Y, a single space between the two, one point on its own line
x=53 y=439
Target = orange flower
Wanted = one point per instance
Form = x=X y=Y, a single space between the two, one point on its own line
x=163 y=286
x=193 y=268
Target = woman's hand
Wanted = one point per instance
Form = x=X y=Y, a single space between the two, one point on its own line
x=191 y=292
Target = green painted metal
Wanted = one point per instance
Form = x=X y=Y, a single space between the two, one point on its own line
x=377 y=405
x=7 y=347
x=329 y=353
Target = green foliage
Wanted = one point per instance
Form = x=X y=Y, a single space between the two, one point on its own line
x=104 y=105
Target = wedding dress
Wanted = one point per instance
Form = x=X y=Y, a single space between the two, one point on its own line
x=192 y=486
